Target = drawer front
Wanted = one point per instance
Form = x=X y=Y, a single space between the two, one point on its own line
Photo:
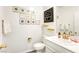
x=50 y=50
x=55 y=47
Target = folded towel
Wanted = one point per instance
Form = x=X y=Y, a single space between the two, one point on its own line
x=0 y=27
x=2 y=45
x=3 y=29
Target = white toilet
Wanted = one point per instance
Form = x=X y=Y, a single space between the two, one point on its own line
x=39 y=47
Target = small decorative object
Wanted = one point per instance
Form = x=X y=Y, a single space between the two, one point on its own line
x=22 y=10
x=64 y=35
x=26 y=17
x=22 y=21
x=15 y=9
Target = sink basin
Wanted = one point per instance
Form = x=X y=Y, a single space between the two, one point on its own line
x=67 y=44
x=75 y=39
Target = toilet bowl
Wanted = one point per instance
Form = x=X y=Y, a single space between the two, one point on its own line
x=39 y=47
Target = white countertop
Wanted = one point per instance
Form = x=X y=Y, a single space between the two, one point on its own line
x=68 y=44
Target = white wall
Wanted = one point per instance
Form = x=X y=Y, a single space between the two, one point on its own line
x=17 y=40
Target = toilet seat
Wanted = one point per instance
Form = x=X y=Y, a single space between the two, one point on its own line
x=38 y=46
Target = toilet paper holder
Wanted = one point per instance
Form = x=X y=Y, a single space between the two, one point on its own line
x=29 y=39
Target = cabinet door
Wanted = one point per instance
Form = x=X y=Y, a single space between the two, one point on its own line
x=55 y=48
x=49 y=49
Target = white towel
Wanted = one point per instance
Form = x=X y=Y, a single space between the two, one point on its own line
x=0 y=27
x=2 y=44
x=1 y=40
x=6 y=27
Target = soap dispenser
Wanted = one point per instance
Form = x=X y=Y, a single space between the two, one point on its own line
x=59 y=35
x=64 y=35
x=60 y=31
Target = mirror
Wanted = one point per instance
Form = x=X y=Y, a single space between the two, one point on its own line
x=67 y=18
x=48 y=15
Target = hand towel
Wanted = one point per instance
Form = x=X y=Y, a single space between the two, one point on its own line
x=0 y=27
x=6 y=27
x=2 y=44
